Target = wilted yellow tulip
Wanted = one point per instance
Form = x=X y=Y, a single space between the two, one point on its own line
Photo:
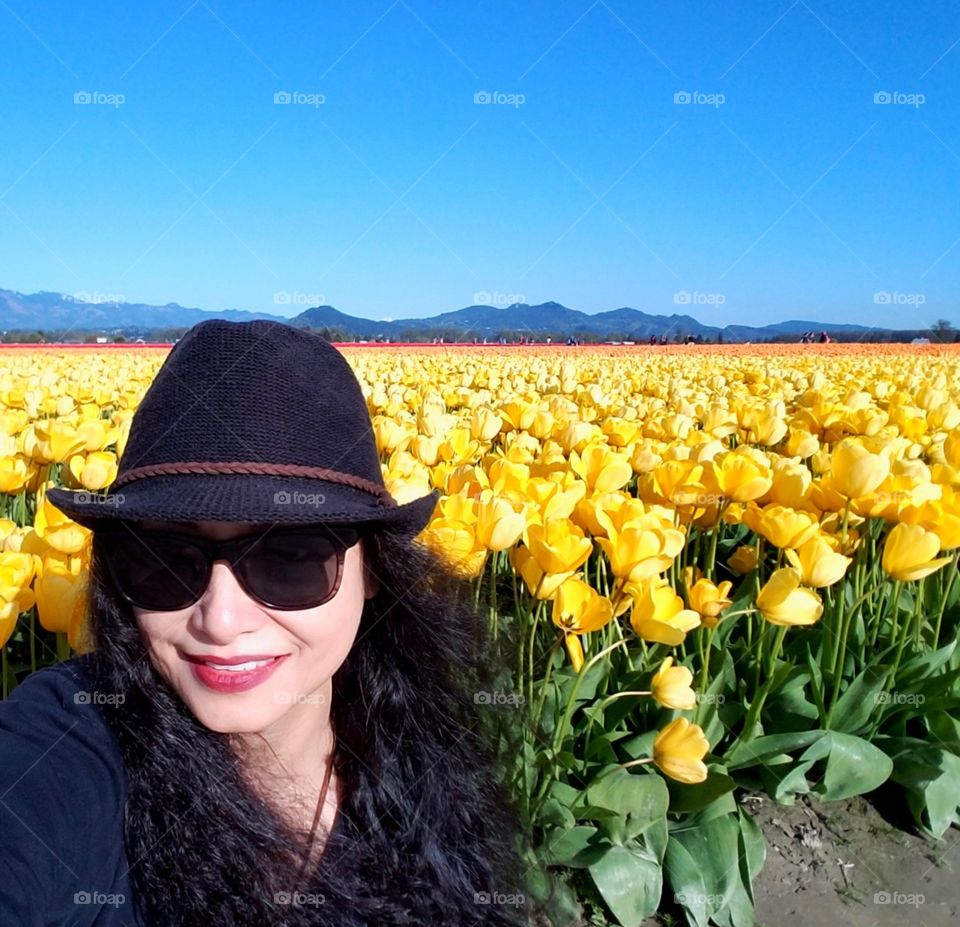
x=709 y=600
x=679 y=749
x=820 y=564
x=672 y=686
x=909 y=552
x=658 y=614
x=855 y=471
x=782 y=601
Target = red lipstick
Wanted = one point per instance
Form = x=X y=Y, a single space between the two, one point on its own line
x=224 y=680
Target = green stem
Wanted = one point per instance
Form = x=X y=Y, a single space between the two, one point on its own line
x=953 y=568
x=756 y=706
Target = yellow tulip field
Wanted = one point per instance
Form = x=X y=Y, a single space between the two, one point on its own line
x=700 y=570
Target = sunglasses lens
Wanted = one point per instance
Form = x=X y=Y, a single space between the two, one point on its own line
x=292 y=569
x=157 y=573
x=285 y=569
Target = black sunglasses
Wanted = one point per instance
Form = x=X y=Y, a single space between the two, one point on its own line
x=283 y=568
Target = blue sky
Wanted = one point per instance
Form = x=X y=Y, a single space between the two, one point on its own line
x=775 y=186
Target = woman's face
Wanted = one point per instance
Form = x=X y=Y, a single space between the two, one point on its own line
x=225 y=623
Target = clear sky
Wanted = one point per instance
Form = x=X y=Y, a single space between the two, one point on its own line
x=434 y=155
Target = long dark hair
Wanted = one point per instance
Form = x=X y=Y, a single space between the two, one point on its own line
x=431 y=836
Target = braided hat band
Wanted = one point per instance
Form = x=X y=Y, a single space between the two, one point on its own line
x=258 y=468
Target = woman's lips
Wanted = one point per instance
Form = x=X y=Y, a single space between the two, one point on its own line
x=234 y=680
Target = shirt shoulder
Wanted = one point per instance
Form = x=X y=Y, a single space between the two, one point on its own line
x=62 y=786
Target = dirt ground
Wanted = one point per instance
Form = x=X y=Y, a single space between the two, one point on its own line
x=843 y=863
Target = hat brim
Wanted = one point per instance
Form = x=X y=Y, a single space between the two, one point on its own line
x=240 y=498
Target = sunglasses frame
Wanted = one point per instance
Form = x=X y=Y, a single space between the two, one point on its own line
x=233 y=550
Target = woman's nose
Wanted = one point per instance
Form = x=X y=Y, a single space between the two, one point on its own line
x=225 y=611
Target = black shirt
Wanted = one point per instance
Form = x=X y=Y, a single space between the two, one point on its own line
x=62 y=786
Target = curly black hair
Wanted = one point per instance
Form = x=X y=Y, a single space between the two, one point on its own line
x=430 y=835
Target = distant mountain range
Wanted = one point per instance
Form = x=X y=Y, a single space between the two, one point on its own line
x=71 y=318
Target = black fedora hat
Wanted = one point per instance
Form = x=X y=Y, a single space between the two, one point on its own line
x=254 y=422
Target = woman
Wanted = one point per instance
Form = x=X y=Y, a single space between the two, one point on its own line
x=277 y=723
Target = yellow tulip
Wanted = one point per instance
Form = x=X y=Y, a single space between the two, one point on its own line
x=679 y=749
x=601 y=468
x=539 y=583
x=500 y=522
x=16 y=573
x=658 y=614
x=671 y=686
x=57 y=440
x=559 y=546
x=743 y=559
x=58 y=587
x=485 y=424
x=574 y=651
x=14 y=473
x=579 y=609
x=820 y=564
x=782 y=527
x=909 y=552
x=644 y=547
x=55 y=528
x=743 y=474
x=802 y=444
x=856 y=471
x=782 y=601
x=456 y=543
x=95 y=470
x=709 y=600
